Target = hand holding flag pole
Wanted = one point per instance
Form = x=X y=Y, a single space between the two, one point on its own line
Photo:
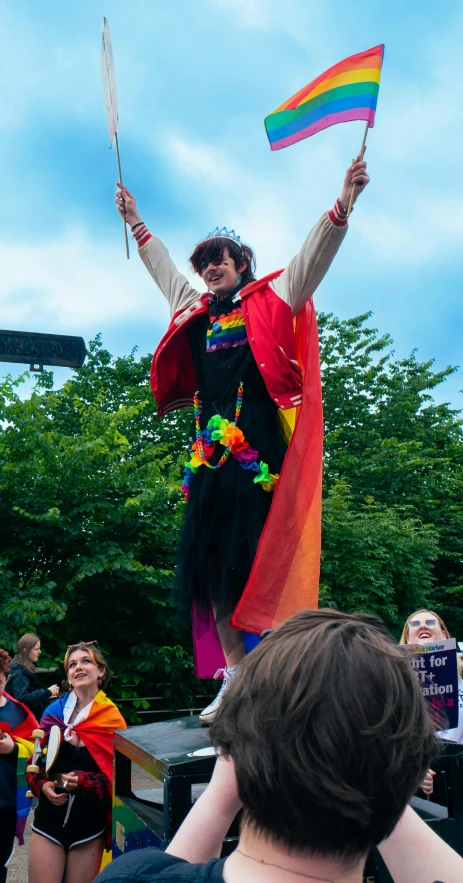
x=108 y=76
x=361 y=155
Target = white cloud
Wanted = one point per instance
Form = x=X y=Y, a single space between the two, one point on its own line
x=428 y=232
x=253 y=207
x=75 y=285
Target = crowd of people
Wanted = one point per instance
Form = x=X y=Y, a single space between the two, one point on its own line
x=322 y=740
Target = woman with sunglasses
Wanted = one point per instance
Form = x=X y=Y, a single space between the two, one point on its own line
x=423 y=627
x=72 y=822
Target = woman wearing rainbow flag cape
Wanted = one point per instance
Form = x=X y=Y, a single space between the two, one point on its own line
x=72 y=822
x=16 y=726
x=245 y=354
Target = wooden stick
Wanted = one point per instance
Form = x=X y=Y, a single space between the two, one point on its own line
x=120 y=180
x=362 y=151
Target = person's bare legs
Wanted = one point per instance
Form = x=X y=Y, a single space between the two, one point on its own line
x=46 y=860
x=231 y=640
x=84 y=861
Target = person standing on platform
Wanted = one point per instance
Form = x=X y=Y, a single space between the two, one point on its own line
x=23 y=679
x=324 y=737
x=233 y=353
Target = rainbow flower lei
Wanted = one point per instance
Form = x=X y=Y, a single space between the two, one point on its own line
x=225 y=432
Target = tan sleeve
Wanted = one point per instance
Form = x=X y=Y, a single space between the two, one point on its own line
x=305 y=272
x=173 y=284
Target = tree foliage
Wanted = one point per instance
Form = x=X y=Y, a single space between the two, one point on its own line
x=89 y=511
x=90 y=503
x=386 y=437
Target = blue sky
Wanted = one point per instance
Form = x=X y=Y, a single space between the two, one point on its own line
x=195 y=81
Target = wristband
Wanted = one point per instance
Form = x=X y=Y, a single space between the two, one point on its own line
x=140 y=224
x=338 y=214
x=141 y=235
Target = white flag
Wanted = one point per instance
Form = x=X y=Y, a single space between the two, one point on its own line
x=109 y=82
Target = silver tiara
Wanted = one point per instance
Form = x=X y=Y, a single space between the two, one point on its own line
x=223 y=233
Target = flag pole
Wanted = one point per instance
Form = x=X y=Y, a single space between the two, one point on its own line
x=120 y=180
x=362 y=151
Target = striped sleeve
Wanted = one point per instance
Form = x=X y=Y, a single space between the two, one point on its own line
x=338 y=214
x=141 y=235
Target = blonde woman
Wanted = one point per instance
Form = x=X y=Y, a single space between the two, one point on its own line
x=423 y=627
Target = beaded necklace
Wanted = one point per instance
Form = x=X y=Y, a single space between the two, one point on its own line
x=227 y=433
x=199 y=438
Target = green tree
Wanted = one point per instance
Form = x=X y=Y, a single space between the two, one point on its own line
x=375 y=558
x=388 y=439
x=90 y=504
x=89 y=511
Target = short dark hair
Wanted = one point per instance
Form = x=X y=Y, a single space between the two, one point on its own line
x=213 y=249
x=329 y=733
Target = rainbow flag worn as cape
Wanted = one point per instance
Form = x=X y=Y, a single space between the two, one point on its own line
x=285 y=575
x=22 y=735
x=96 y=731
x=347 y=91
x=284 y=578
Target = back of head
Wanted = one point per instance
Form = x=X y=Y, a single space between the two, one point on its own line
x=329 y=733
x=24 y=646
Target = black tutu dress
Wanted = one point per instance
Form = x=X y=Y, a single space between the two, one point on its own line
x=226 y=510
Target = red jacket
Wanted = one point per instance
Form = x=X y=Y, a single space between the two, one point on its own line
x=270 y=331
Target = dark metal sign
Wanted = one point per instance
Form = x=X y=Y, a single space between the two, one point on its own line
x=37 y=350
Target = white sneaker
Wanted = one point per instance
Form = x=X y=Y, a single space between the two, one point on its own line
x=229 y=674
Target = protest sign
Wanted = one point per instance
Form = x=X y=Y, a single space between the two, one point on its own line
x=435 y=665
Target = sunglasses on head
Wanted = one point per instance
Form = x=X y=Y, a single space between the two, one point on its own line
x=77 y=643
x=415 y=623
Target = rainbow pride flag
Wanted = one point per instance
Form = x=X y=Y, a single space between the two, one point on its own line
x=286 y=571
x=347 y=91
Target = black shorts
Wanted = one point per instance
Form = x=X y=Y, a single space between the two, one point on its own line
x=71 y=824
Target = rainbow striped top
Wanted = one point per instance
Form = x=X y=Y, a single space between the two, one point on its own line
x=347 y=91
x=226 y=331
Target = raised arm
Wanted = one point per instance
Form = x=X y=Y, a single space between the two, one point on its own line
x=305 y=272
x=415 y=852
x=201 y=834
x=173 y=284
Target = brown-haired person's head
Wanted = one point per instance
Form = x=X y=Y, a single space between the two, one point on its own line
x=5 y=662
x=329 y=734
x=86 y=657
x=224 y=264
x=5 y=666
x=28 y=650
